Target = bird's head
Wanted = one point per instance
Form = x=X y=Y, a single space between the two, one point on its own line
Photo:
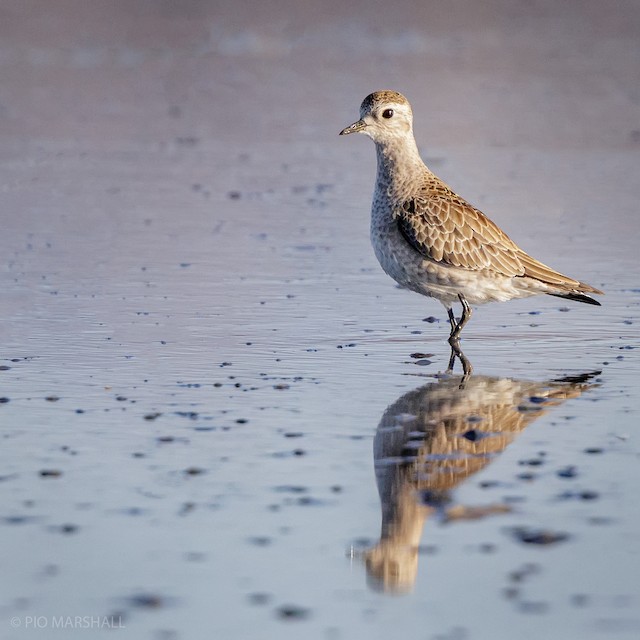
x=384 y=116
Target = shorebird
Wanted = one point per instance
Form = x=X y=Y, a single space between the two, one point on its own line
x=432 y=241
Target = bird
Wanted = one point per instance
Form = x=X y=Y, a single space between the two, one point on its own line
x=431 y=240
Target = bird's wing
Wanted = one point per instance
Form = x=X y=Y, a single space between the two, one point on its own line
x=535 y=269
x=442 y=226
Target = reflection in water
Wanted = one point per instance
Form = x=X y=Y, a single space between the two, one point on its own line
x=432 y=439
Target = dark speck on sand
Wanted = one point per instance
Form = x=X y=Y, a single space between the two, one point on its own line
x=542 y=537
x=292 y=612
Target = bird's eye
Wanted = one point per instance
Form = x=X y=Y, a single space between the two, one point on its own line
x=387 y=113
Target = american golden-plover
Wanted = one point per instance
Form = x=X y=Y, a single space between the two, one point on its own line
x=430 y=240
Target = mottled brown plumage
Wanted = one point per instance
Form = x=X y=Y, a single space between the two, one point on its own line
x=431 y=240
x=445 y=228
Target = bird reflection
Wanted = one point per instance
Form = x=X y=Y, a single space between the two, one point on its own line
x=432 y=439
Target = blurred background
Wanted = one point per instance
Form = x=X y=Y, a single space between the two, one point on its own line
x=496 y=73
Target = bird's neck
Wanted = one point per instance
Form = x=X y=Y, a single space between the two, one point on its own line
x=399 y=166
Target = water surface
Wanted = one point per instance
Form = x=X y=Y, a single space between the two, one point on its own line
x=220 y=418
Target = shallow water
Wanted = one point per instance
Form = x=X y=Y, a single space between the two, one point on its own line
x=210 y=385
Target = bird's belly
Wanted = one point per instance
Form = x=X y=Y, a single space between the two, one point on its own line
x=442 y=281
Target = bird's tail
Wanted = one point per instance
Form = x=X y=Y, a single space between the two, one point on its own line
x=565 y=287
x=577 y=297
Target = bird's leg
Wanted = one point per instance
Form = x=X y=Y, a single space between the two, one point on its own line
x=456 y=329
x=452 y=361
x=456 y=352
x=467 y=368
x=452 y=320
x=454 y=339
x=454 y=324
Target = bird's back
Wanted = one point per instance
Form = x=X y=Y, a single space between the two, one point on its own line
x=444 y=228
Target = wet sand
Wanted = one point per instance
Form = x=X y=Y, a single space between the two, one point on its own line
x=220 y=418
